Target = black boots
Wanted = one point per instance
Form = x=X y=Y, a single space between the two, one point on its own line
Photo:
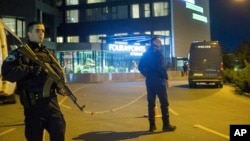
x=167 y=127
x=152 y=126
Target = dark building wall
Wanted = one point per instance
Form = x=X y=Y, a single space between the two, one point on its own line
x=33 y=10
x=18 y=8
x=187 y=29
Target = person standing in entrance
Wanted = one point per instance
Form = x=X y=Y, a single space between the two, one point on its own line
x=152 y=66
x=185 y=69
x=41 y=108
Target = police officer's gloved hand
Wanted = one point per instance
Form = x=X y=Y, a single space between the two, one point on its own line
x=36 y=69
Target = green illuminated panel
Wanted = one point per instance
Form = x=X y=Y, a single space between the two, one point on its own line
x=200 y=18
x=190 y=1
x=194 y=7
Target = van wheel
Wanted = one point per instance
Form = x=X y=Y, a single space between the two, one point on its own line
x=220 y=85
x=191 y=85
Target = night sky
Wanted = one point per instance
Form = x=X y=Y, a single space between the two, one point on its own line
x=230 y=22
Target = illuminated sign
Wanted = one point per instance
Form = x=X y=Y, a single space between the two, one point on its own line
x=204 y=46
x=190 y=4
x=194 y=7
x=200 y=17
x=134 y=50
x=190 y=1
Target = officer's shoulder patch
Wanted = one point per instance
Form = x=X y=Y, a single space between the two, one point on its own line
x=10 y=58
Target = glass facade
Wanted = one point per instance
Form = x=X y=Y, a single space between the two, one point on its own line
x=146 y=10
x=59 y=39
x=72 y=2
x=96 y=38
x=120 y=12
x=97 y=14
x=135 y=11
x=110 y=12
x=98 y=57
x=97 y=61
x=73 y=39
x=95 y=1
x=114 y=57
x=16 y=25
x=160 y=9
x=72 y=16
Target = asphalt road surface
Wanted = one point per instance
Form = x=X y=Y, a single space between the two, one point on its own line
x=117 y=112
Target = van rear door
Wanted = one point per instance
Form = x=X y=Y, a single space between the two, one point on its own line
x=205 y=63
x=8 y=42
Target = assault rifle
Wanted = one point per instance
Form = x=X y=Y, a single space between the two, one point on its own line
x=53 y=76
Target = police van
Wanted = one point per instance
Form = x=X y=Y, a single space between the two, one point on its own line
x=205 y=64
x=8 y=41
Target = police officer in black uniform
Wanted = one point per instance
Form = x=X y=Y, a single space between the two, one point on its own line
x=41 y=110
x=152 y=66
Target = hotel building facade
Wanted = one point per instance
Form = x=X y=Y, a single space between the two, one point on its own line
x=103 y=36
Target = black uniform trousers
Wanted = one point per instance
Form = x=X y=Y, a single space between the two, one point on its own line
x=157 y=87
x=45 y=114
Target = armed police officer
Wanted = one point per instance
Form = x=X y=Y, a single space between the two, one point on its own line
x=153 y=68
x=39 y=99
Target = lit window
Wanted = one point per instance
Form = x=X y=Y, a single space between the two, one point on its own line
x=162 y=32
x=73 y=39
x=72 y=2
x=20 y=28
x=47 y=39
x=95 y=1
x=120 y=34
x=59 y=39
x=148 y=32
x=135 y=11
x=16 y=25
x=146 y=10
x=72 y=16
x=160 y=9
x=165 y=40
x=96 y=39
x=11 y=23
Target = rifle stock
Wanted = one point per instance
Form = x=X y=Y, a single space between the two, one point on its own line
x=26 y=51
